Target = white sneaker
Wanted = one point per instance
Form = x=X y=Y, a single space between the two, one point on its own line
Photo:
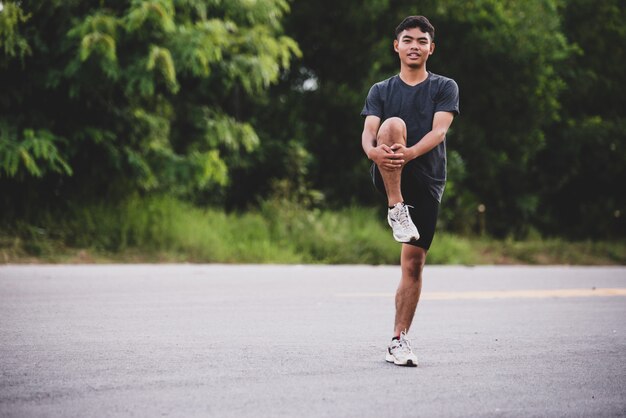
x=399 y=219
x=400 y=353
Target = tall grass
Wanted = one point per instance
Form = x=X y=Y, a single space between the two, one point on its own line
x=166 y=229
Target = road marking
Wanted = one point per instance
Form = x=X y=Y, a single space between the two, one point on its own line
x=502 y=294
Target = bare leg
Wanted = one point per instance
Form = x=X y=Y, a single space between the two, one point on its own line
x=407 y=296
x=392 y=131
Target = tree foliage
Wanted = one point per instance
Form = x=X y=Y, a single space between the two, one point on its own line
x=582 y=170
x=213 y=101
x=138 y=95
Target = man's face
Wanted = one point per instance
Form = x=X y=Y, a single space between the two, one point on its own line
x=413 y=47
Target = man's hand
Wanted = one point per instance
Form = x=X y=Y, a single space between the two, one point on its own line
x=387 y=158
x=408 y=153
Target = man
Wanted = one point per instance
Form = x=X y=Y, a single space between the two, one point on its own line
x=406 y=120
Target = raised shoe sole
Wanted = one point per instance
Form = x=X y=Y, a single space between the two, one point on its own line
x=401 y=239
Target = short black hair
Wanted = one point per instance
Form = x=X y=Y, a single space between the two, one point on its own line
x=417 y=22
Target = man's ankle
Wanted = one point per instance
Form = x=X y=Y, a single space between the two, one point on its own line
x=393 y=205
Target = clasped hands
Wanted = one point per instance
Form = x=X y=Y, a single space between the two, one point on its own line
x=392 y=157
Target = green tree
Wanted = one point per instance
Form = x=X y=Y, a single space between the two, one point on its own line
x=112 y=97
x=583 y=167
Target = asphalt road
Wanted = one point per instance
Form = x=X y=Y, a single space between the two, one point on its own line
x=309 y=341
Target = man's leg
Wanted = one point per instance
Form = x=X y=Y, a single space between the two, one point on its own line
x=392 y=131
x=399 y=351
x=412 y=262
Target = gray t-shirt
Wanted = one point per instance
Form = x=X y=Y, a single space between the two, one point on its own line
x=416 y=105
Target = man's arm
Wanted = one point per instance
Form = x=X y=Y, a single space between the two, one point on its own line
x=370 y=130
x=441 y=124
x=382 y=154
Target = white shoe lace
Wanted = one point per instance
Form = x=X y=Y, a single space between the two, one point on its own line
x=403 y=345
x=404 y=218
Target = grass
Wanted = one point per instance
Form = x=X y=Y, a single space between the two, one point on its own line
x=167 y=230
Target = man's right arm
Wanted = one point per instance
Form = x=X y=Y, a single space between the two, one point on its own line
x=381 y=154
x=368 y=137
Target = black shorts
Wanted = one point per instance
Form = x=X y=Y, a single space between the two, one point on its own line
x=425 y=207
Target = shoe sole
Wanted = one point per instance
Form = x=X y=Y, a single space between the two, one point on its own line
x=390 y=359
x=403 y=240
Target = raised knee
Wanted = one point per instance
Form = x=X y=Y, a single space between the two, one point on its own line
x=392 y=130
x=394 y=123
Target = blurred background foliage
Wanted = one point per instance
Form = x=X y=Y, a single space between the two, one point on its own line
x=254 y=105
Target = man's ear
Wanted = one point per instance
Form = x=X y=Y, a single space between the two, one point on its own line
x=432 y=48
x=395 y=45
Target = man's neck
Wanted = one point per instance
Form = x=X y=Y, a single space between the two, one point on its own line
x=413 y=76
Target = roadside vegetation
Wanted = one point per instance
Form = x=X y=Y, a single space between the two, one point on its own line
x=168 y=230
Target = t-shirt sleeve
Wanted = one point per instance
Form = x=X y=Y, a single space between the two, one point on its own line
x=448 y=98
x=373 y=103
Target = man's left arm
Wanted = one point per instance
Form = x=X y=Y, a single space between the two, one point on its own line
x=441 y=124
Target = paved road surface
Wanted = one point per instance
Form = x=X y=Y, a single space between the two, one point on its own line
x=301 y=341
